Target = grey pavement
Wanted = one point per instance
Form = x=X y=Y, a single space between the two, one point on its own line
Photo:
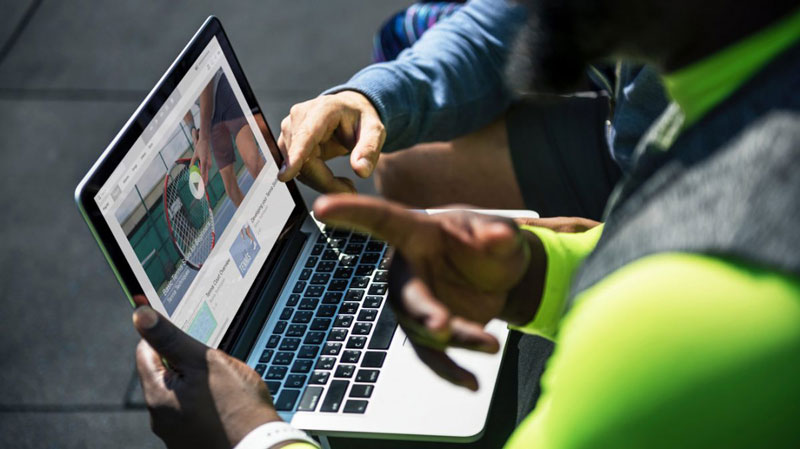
x=70 y=75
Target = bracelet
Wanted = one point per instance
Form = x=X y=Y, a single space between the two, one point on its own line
x=267 y=435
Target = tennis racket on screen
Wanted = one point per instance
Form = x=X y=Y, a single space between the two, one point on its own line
x=187 y=211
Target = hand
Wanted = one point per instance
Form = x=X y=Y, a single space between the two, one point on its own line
x=327 y=127
x=451 y=273
x=202 y=153
x=204 y=398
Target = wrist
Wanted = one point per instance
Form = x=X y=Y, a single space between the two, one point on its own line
x=524 y=298
x=245 y=423
x=274 y=435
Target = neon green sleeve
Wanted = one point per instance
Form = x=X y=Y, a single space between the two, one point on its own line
x=674 y=350
x=565 y=252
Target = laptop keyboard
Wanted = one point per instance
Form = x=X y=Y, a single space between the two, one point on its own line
x=326 y=352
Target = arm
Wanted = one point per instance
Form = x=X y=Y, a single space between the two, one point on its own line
x=450 y=82
x=202 y=141
x=645 y=360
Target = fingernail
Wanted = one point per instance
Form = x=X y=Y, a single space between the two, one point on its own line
x=146 y=318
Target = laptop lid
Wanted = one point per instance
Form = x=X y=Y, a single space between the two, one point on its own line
x=185 y=201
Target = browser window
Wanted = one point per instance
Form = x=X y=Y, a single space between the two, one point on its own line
x=196 y=205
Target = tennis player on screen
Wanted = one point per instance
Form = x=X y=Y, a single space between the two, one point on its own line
x=222 y=123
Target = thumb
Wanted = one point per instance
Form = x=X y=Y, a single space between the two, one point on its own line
x=179 y=349
x=368 y=148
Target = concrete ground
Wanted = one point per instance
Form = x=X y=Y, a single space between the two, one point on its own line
x=71 y=73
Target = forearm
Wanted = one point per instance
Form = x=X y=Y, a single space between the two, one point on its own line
x=450 y=82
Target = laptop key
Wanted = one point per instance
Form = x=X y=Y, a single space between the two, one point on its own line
x=295 y=381
x=325 y=363
x=355 y=406
x=344 y=371
x=385 y=262
x=375 y=246
x=331 y=348
x=308 y=351
x=310 y=399
x=326 y=311
x=293 y=299
x=337 y=285
x=358 y=238
x=349 y=308
x=372 y=302
x=260 y=368
x=317 y=249
x=322 y=238
x=361 y=390
x=321 y=278
x=283 y=358
x=332 y=298
x=351 y=356
x=373 y=359
x=308 y=304
x=296 y=330
x=381 y=276
x=333 y=399
x=343 y=273
x=305 y=274
x=314 y=338
x=273 y=386
x=302 y=366
x=273 y=341
x=348 y=260
x=326 y=266
x=330 y=254
x=337 y=243
x=354 y=295
x=359 y=282
x=343 y=321
x=367 y=315
x=265 y=357
x=302 y=317
x=315 y=290
x=337 y=335
x=320 y=324
x=280 y=326
x=384 y=330
x=286 y=400
x=378 y=289
x=289 y=344
x=286 y=313
x=371 y=258
x=319 y=377
x=356 y=342
x=354 y=248
x=367 y=375
x=362 y=328
x=364 y=270
x=276 y=372
x=299 y=287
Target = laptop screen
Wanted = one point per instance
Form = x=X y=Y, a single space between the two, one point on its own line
x=195 y=205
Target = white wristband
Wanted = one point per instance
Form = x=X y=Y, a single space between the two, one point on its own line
x=267 y=435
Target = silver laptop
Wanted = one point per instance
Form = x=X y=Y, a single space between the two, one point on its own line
x=186 y=206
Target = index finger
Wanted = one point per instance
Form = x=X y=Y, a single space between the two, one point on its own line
x=316 y=127
x=385 y=220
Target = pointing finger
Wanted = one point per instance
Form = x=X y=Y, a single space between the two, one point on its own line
x=368 y=148
x=385 y=220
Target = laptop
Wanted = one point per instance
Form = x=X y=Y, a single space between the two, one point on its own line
x=187 y=209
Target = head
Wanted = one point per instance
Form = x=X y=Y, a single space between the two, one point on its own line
x=563 y=36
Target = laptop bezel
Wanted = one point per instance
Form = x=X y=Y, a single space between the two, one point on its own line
x=132 y=130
